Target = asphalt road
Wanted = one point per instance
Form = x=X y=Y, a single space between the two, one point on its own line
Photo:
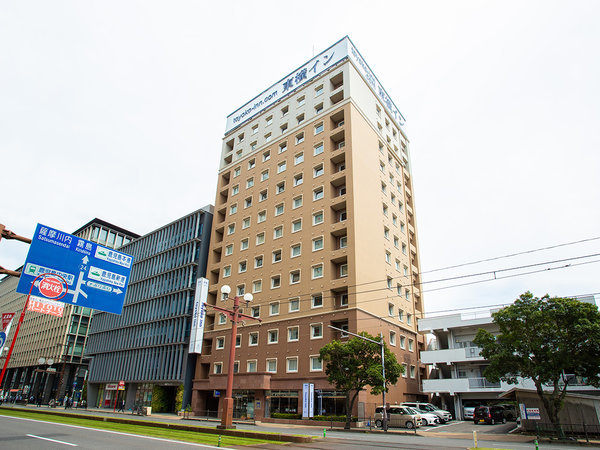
x=27 y=434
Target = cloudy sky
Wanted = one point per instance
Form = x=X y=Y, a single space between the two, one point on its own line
x=116 y=110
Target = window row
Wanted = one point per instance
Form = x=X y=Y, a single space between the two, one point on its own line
x=393 y=342
x=272 y=336
x=315 y=364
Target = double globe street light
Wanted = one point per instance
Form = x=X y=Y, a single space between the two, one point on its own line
x=235 y=316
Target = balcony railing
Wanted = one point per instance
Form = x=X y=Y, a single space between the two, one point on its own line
x=482 y=383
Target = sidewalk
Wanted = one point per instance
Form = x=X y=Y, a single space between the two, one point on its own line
x=280 y=428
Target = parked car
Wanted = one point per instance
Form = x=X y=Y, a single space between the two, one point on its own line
x=469 y=408
x=489 y=414
x=398 y=417
x=510 y=411
x=427 y=418
x=443 y=415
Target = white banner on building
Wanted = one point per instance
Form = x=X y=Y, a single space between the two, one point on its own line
x=308 y=402
x=198 y=316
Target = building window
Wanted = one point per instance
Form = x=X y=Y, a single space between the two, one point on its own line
x=411 y=345
x=404 y=248
x=297 y=202
x=317 y=243
x=281 y=187
x=281 y=166
x=279 y=209
x=316 y=364
x=284 y=111
x=244 y=244
x=343 y=241
x=392 y=338
x=278 y=232
x=400 y=315
x=220 y=343
x=298 y=158
x=385 y=210
x=272 y=365
x=266 y=156
x=296 y=225
x=409 y=319
x=275 y=281
x=294 y=304
x=301 y=100
x=233 y=209
x=292 y=364
x=318 y=171
x=300 y=119
x=293 y=334
x=248 y=202
x=343 y=299
x=243 y=265
x=318 y=90
x=316 y=331
x=412 y=371
x=388 y=257
x=272 y=336
x=264 y=175
x=319 y=149
x=318 y=193
x=294 y=276
x=260 y=238
x=258 y=262
x=343 y=270
x=299 y=138
x=276 y=256
x=230 y=228
x=222 y=319
x=226 y=271
x=319 y=128
x=218 y=368
x=386 y=232
x=268 y=137
x=390 y=310
x=253 y=338
x=319 y=108
x=296 y=250
x=255 y=311
x=251 y=164
x=241 y=289
x=389 y=282
x=257 y=286
x=316 y=301
x=251 y=366
x=402 y=342
x=262 y=216
x=235 y=190
x=246 y=222
x=229 y=250
x=274 y=309
x=318 y=218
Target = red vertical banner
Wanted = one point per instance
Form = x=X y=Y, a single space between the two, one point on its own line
x=6 y=318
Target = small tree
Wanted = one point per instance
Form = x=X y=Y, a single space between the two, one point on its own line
x=356 y=363
x=544 y=339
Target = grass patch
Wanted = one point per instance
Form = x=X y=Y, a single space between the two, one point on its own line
x=186 y=436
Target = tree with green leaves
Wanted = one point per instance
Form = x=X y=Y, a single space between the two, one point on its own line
x=356 y=363
x=552 y=341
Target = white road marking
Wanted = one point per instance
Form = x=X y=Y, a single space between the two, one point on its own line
x=193 y=444
x=51 y=440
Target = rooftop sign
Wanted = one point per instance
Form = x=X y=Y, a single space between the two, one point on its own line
x=323 y=61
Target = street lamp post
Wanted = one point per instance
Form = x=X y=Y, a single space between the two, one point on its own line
x=235 y=316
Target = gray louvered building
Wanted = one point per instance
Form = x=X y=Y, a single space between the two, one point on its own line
x=147 y=345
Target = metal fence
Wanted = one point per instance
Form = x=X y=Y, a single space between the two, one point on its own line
x=568 y=431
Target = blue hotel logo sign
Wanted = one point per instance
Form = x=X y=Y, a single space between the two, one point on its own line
x=96 y=276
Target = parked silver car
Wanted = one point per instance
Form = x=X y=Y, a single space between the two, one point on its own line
x=443 y=415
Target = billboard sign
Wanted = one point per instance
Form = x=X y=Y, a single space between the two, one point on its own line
x=96 y=276
x=6 y=318
x=46 y=306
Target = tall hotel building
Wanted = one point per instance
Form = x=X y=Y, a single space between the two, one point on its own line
x=314 y=216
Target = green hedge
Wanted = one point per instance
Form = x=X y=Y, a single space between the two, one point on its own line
x=334 y=418
x=285 y=416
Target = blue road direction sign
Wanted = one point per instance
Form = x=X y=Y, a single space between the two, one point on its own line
x=96 y=276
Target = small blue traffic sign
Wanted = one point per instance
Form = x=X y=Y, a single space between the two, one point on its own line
x=96 y=276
